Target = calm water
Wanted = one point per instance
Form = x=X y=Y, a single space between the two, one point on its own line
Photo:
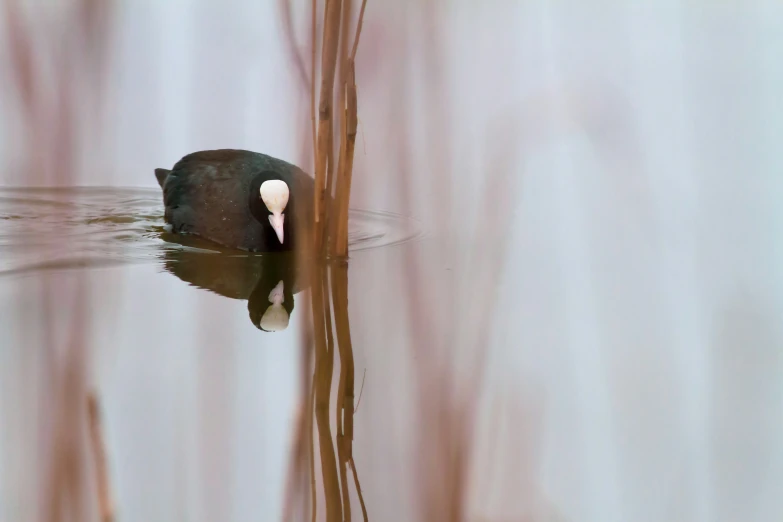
x=192 y=388
x=587 y=408
x=50 y=229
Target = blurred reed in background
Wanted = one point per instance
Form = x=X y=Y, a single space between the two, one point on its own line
x=58 y=64
x=601 y=332
x=59 y=73
x=447 y=400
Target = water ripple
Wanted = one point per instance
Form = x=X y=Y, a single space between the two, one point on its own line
x=83 y=227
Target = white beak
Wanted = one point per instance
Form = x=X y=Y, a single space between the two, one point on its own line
x=276 y=220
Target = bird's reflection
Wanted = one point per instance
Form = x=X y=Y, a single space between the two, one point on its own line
x=268 y=282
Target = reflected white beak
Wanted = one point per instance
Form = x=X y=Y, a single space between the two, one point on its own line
x=276 y=220
x=277 y=295
x=275 y=319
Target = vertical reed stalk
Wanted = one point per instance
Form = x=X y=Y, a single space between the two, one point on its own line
x=345 y=394
x=55 y=122
x=346 y=171
x=311 y=405
x=323 y=151
x=329 y=294
x=334 y=177
x=359 y=490
x=348 y=100
x=329 y=287
x=314 y=40
x=105 y=504
x=324 y=363
x=339 y=114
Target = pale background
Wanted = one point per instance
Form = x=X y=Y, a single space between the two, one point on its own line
x=642 y=294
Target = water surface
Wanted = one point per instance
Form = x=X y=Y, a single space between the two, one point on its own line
x=591 y=407
x=51 y=228
x=192 y=383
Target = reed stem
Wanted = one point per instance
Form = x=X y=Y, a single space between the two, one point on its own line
x=346 y=172
x=105 y=503
x=333 y=178
x=331 y=40
x=314 y=40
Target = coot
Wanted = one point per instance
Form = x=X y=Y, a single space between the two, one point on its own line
x=238 y=199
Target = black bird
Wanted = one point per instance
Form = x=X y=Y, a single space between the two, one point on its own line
x=239 y=199
x=268 y=282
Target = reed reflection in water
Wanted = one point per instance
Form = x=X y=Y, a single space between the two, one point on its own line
x=268 y=283
x=338 y=483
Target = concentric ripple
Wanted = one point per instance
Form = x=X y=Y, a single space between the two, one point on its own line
x=60 y=228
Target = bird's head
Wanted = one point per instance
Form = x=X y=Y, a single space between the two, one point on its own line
x=274 y=193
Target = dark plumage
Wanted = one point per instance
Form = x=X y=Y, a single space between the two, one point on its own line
x=214 y=194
